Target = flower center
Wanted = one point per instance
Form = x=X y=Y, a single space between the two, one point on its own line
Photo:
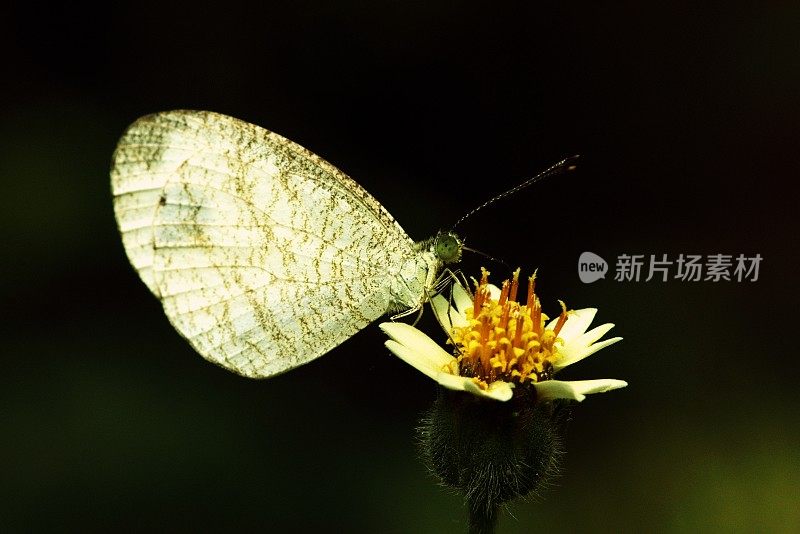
x=506 y=340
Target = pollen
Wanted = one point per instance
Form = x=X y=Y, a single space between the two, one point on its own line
x=506 y=339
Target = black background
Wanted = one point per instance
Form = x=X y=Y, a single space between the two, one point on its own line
x=687 y=120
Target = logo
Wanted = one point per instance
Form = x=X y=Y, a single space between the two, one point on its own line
x=591 y=267
x=663 y=268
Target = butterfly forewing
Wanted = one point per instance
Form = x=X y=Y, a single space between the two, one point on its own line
x=264 y=255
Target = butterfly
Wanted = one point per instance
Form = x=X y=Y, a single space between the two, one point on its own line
x=263 y=255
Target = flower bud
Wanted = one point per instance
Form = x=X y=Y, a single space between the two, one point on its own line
x=493 y=452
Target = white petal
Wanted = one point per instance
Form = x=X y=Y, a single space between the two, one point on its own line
x=577 y=323
x=593 y=335
x=498 y=390
x=575 y=352
x=494 y=291
x=462 y=298
x=441 y=309
x=415 y=359
x=576 y=389
x=454 y=382
x=411 y=337
x=420 y=351
x=458 y=320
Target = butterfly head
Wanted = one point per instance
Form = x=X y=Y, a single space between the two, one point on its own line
x=447 y=246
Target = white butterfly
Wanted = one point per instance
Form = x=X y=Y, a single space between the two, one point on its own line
x=264 y=255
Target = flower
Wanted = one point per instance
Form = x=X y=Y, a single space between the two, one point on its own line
x=501 y=344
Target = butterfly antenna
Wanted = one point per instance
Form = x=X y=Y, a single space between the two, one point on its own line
x=565 y=165
x=487 y=256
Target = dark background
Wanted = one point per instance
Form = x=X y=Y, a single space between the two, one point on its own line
x=687 y=120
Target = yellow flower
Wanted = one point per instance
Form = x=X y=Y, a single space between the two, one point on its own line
x=501 y=343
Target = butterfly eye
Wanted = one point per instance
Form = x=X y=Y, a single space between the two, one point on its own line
x=447 y=247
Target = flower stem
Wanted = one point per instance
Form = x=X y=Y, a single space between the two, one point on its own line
x=483 y=516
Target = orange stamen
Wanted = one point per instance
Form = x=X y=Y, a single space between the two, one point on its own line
x=485 y=327
x=504 y=318
x=536 y=316
x=504 y=293
x=531 y=291
x=484 y=276
x=518 y=333
x=514 y=285
x=477 y=301
x=561 y=318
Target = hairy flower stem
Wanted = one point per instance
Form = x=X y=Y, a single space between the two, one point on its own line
x=483 y=517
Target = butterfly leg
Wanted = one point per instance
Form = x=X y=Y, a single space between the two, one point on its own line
x=409 y=311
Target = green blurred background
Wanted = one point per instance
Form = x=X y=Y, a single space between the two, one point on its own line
x=687 y=120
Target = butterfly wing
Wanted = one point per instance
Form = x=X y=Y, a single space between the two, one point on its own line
x=263 y=255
